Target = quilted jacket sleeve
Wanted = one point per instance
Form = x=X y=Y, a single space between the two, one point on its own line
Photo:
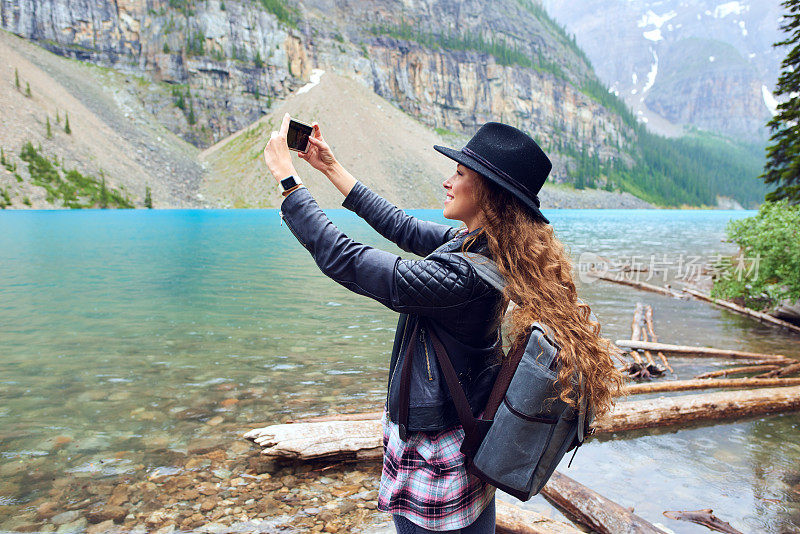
x=409 y=233
x=435 y=287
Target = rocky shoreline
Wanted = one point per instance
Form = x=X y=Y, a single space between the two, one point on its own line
x=213 y=489
x=554 y=197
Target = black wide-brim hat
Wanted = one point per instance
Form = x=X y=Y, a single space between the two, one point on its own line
x=509 y=158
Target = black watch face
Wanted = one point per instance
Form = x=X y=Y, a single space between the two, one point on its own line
x=288 y=183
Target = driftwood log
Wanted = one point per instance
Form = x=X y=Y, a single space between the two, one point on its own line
x=685 y=385
x=745 y=311
x=582 y=505
x=511 y=519
x=362 y=439
x=640 y=332
x=636 y=333
x=705 y=518
x=638 y=285
x=699 y=351
x=739 y=370
x=783 y=371
x=717 y=406
x=651 y=336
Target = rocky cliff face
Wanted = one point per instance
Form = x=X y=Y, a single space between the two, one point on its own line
x=213 y=66
x=210 y=68
x=703 y=63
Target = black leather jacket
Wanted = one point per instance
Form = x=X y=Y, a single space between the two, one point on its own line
x=442 y=290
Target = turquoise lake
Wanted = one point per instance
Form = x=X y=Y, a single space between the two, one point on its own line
x=122 y=333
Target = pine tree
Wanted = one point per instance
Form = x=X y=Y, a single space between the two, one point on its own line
x=148 y=199
x=16 y=78
x=103 y=194
x=28 y=90
x=58 y=118
x=49 y=130
x=783 y=157
x=67 y=129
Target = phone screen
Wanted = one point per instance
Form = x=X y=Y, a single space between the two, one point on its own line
x=297 y=135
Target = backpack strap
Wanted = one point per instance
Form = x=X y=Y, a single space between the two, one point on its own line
x=472 y=438
x=405 y=386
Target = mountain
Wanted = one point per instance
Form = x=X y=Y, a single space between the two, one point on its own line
x=378 y=142
x=208 y=69
x=111 y=137
x=708 y=64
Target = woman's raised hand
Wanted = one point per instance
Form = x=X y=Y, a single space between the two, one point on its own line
x=277 y=155
x=319 y=154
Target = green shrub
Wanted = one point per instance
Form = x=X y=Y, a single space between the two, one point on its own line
x=67 y=129
x=75 y=190
x=195 y=43
x=768 y=268
x=28 y=90
x=285 y=13
x=16 y=77
x=49 y=130
x=5 y=198
x=218 y=54
x=503 y=53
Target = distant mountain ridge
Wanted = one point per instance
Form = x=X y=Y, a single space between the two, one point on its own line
x=208 y=69
x=684 y=63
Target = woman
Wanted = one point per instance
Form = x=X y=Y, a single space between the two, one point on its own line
x=493 y=192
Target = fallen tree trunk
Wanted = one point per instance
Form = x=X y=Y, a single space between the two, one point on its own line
x=363 y=439
x=682 y=409
x=638 y=285
x=636 y=331
x=698 y=351
x=651 y=332
x=582 y=505
x=685 y=385
x=365 y=416
x=306 y=441
x=745 y=311
x=511 y=519
x=783 y=371
x=704 y=517
x=739 y=370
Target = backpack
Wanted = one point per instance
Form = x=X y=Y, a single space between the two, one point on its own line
x=525 y=429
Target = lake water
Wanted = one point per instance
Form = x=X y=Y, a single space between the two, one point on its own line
x=124 y=332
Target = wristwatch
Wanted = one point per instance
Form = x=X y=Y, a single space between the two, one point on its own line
x=289 y=182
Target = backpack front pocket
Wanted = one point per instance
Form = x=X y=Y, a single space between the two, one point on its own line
x=522 y=428
x=510 y=451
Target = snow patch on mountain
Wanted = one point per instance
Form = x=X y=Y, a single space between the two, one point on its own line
x=651 y=19
x=769 y=100
x=651 y=76
x=654 y=35
x=730 y=8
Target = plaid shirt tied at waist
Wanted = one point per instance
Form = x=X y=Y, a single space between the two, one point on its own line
x=425 y=479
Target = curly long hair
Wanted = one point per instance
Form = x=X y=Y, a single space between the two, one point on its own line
x=538 y=273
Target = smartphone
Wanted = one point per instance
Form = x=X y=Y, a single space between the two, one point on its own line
x=297 y=136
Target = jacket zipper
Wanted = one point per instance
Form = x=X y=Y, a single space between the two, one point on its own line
x=396 y=364
x=427 y=359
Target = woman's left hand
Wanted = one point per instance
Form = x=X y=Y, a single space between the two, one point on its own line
x=277 y=155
